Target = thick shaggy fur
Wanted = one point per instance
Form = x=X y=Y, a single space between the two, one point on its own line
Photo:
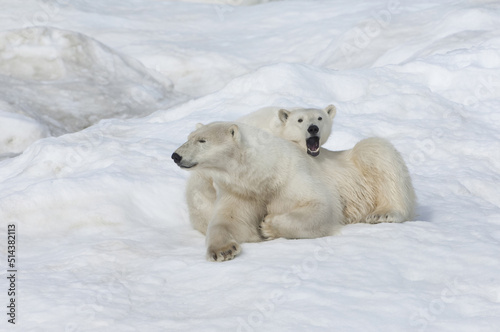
x=370 y=182
x=373 y=182
x=241 y=183
x=372 y=178
x=294 y=124
x=274 y=121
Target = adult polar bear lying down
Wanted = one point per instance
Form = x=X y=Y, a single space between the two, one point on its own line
x=270 y=183
x=307 y=127
x=372 y=178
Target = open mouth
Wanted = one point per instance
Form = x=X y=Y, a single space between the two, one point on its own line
x=188 y=166
x=312 y=144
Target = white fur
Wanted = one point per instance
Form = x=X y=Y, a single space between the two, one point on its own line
x=372 y=178
x=285 y=123
x=271 y=183
x=373 y=182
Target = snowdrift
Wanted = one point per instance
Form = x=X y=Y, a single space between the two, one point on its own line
x=66 y=81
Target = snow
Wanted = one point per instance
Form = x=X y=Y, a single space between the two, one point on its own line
x=91 y=81
x=95 y=97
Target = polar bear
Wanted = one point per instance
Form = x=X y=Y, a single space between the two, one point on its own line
x=373 y=182
x=372 y=178
x=270 y=184
x=308 y=127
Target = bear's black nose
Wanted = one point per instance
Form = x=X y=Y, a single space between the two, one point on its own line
x=176 y=157
x=313 y=129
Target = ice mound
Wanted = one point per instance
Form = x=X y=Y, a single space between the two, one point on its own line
x=68 y=81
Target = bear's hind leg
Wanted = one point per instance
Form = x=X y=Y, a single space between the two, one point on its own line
x=389 y=217
x=388 y=178
x=309 y=221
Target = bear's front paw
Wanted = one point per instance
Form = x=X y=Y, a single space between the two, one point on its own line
x=223 y=253
x=266 y=228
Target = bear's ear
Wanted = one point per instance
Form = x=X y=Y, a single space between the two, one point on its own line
x=199 y=125
x=234 y=130
x=331 y=110
x=283 y=114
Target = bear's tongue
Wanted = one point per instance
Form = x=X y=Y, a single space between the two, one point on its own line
x=312 y=144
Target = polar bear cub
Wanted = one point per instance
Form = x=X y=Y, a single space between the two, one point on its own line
x=254 y=181
x=307 y=127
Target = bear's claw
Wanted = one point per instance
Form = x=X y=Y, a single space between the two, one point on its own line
x=266 y=229
x=383 y=218
x=224 y=253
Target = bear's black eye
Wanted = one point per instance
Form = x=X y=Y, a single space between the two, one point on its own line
x=300 y=120
x=201 y=141
x=320 y=118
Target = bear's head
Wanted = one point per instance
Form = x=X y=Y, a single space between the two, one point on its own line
x=210 y=146
x=309 y=128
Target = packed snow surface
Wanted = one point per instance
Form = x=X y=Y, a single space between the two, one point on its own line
x=95 y=97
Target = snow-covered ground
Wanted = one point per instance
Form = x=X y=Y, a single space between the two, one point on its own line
x=95 y=96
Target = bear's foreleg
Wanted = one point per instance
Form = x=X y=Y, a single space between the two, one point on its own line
x=235 y=221
x=201 y=196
